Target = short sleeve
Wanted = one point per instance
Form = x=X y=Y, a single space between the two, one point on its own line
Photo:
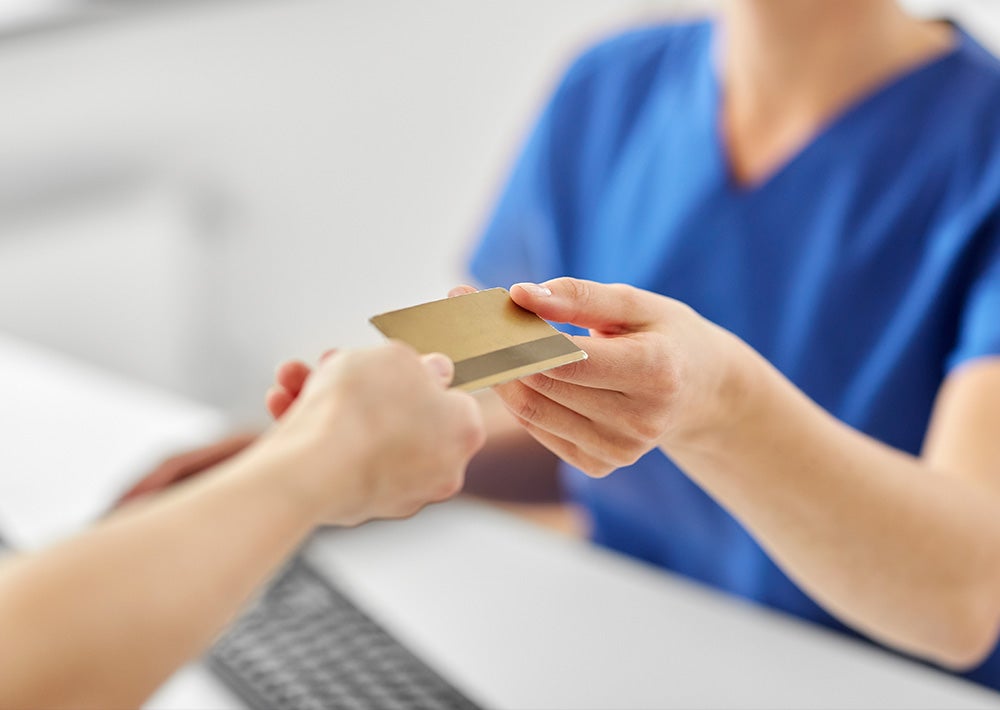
x=979 y=329
x=537 y=231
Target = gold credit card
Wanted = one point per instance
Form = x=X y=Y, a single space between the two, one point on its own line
x=490 y=338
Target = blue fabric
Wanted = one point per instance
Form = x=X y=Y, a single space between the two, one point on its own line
x=865 y=269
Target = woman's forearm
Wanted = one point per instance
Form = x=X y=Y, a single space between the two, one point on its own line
x=905 y=553
x=101 y=620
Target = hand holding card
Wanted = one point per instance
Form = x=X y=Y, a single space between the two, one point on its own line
x=489 y=337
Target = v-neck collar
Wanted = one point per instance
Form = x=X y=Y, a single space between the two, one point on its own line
x=827 y=131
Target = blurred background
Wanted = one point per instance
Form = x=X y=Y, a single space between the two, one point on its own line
x=194 y=190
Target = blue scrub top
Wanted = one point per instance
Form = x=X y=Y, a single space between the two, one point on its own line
x=865 y=269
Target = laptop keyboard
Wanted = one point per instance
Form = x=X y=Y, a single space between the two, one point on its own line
x=304 y=646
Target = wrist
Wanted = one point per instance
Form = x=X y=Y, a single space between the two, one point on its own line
x=314 y=469
x=733 y=395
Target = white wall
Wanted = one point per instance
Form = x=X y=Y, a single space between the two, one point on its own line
x=337 y=156
x=113 y=279
x=312 y=162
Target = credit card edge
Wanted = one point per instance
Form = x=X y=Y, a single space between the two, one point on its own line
x=519 y=372
x=378 y=316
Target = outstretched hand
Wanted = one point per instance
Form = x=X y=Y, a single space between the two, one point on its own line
x=289 y=379
x=379 y=426
x=386 y=410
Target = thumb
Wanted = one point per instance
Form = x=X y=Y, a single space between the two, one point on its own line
x=608 y=308
x=440 y=367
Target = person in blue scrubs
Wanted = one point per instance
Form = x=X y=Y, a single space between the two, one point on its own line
x=782 y=229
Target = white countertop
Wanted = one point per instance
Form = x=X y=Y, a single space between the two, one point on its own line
x=519 y=617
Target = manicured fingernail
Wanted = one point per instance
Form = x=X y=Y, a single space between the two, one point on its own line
x=535 y=289
x=440 y=366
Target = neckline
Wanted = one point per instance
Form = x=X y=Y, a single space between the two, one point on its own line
x=838 y=121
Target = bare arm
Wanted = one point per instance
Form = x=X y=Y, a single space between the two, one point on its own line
x=100 y=620
x=906 y=549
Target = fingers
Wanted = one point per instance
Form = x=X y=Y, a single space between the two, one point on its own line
x=462 y=290
x=608 y=308
x=609 y=364
x=593 y=403
x=414 y=435
x=596 y=448
x=470 y=417
x=545 y=414
x=292 y=375
x=440 y=367
x=289 y=378
x=568 y=451
x=160 y=478
x=278 y=400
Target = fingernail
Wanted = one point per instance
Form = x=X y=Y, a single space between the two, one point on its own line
x=535 y=289
x=440 y=366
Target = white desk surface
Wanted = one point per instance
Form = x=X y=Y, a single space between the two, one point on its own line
x=72 y=437
x=515 y=616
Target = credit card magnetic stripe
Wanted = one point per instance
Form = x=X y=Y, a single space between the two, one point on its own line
x=514 y=357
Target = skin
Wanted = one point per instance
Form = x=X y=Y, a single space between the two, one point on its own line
x=789 y=67
x=375 y=434
x=905 y=549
